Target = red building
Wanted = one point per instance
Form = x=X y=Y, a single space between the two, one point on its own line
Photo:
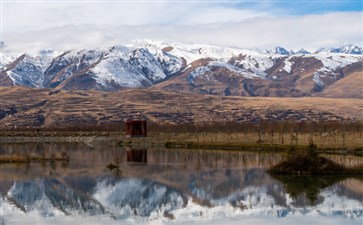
x=136 y=128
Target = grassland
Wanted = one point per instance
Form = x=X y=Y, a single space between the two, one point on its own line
x=49 y=109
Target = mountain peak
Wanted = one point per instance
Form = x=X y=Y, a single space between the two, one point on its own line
x=303 y=51
x=345 y=49
x=278 y=51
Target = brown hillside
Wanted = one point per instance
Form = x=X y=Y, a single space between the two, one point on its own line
x=350 y=86
x=27 y=107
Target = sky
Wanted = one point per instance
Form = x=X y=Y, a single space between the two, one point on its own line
x=69 y=24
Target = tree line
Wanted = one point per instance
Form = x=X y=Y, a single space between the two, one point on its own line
x=213 y=127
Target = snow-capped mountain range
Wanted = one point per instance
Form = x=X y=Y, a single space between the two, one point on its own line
x=185 y=68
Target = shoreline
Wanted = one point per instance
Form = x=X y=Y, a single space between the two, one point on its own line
x=266 y=148
x=214 y=141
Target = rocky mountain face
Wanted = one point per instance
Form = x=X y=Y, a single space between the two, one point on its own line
x=191 y=68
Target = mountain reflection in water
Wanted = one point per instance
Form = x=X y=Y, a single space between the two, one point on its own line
x=168 y=186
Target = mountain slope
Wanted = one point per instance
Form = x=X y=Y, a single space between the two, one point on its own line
x=349 y=86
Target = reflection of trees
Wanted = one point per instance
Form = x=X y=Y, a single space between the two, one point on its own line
x=213 y=159
x=308 y=186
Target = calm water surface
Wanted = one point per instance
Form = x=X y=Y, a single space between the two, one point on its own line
x=157 y=186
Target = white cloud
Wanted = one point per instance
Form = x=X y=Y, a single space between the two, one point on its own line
x=220 y=15
x=40 y=15
x=59 y=25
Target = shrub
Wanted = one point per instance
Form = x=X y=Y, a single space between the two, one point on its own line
x=313 y=151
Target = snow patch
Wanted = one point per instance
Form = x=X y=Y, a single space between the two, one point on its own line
x=243 y=72
x=197 y=72
x=288 y=65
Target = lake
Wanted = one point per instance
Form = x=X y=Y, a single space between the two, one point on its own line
x=163 y=186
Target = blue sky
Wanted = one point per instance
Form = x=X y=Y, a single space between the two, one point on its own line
x=303 y=7
x=293 y=24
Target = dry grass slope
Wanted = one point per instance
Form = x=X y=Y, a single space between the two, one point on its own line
x=49 y=108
